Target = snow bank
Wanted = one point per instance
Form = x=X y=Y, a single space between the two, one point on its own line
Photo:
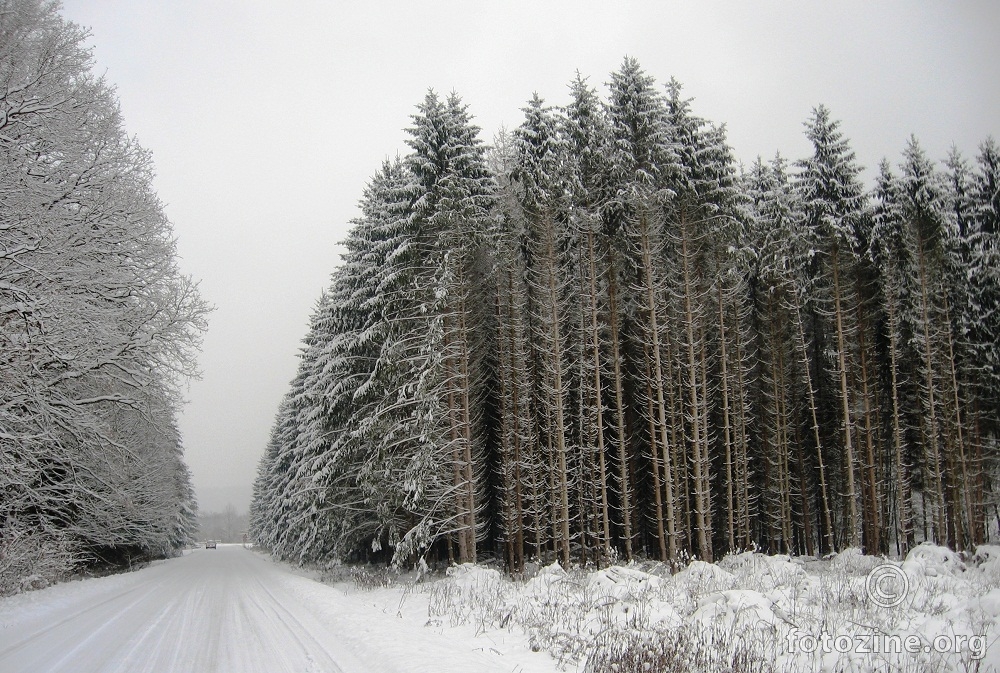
x=764 y=572
x=735 y=610
x=469 y=575
x=700 y=577
x=931 y=560
x=753 y=611
x=987 y=561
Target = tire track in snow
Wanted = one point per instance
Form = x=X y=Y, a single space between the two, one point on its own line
x=63 y=647
x=146 y=653
x=45 y=631
x=207 y=612
x=301 y=634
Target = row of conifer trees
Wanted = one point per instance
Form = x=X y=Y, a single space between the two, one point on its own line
x=603 y=338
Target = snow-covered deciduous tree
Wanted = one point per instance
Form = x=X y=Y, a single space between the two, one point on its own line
x=97 y=324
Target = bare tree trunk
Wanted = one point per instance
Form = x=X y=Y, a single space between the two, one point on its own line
x=558 y=393
x=456 y=451
x=742 y=457
x=904 y=536
x=807 y=531
x=675 y=452
x=698 y=465
x=470 y=484
x=654 y=454
x=623 y=464
x=654 y=349
x=598 y=403
x=852 y=505
x=966 y=484
x=872 y=492
x=727 y=440
x=508 y=416
x=814 y=417
x=706 y=472
x=932 y=421
x=781 y=436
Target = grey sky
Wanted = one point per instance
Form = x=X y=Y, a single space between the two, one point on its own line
x=266 y=119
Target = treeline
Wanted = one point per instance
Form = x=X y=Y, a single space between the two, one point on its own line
x=603 y=338
x=97 y=325
x=225 y=526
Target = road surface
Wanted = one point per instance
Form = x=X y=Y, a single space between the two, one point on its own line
x=224 y=610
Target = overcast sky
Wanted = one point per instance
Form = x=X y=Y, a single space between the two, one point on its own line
x=267 y=118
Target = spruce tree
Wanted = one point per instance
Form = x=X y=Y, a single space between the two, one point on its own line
x=833 y=207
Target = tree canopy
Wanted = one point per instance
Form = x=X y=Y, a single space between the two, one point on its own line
x=98 y=326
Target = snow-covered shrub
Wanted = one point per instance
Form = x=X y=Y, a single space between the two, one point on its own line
x=750 y=612
x=754 y=570
x=931 y=560
x=334 y=572
x=471 y=594
x=986 y=561
x=689 y=648
x=699 y=578
x=560 y=611
x=32 y=560
x=853 y=561
x=738 y=610
x=628 y=598
x=564 y=613
x=369 y=579
x=986 y=554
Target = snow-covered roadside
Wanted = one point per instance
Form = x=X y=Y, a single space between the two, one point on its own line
x=236 y=610
x=749 y=612
x=59 y=600
x=233 y=610
x=389 y=629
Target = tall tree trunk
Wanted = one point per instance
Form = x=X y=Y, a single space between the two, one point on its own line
x=653 y=306
x=470 y=485
x=845 y=403
x=742 y=454
x=781 y=433
x=655 y=458
x=966 y=484
x=699 y=468
x=558 y=392
x=727 y=440
x=904 y=535
x=623 y=463
x=595 y=336
x=457 y=453
x=934 y=459
x=800 y=335
x=872 y=511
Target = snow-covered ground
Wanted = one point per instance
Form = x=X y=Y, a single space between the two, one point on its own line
x=232 y=609
x=749 y=612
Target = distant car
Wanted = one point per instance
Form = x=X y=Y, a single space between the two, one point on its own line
x=210 y=544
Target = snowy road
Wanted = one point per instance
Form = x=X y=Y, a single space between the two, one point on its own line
x=220 y=610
